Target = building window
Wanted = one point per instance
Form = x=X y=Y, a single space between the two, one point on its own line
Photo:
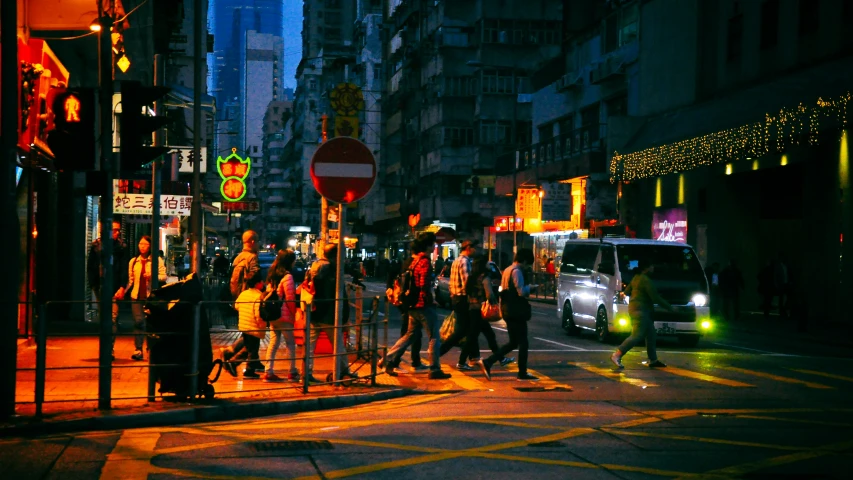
x=459 y=86
x=377 y=71
x=567 y=125
x=589 y=123
x=546 y=132
x=495 y=132
x=618 y=106
x=809 y=16
x=769 y=24
x=734 y=39
x=458 y=136
x=621 y=28
x=499 y=81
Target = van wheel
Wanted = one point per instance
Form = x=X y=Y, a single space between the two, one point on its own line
x=688 y=340
x=601 y=330
x=569 y=321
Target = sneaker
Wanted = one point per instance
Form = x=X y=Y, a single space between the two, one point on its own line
x=464 y=367
x=390 y=371
x=486 y=369
x=439 y=375
x=271 y=377
x=616 y=358
x=257 y=366
x=527 y=376
x=472 y=362
x=230 y=368
x=657 y=364
x=313 y=379
x=420 y=367
x=249 y=373
x=294 y=378
x=137 y=355
x=507 y=360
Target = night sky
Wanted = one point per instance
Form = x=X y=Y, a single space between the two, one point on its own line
x=292 y=40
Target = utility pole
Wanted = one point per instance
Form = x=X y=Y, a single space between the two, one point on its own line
x=10 y=239
x=196 y=213
x=109 y=168
x=159 y=141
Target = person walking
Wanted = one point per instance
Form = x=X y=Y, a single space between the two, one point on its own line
x=323 y=276
x=281 y=281
x=244 y=267
x=516 y=313
x=464 y=329
x=480 y=291
x=643 y=297
x=417 y=336
x=252 y=327
x=421 y=314
x=139 y=288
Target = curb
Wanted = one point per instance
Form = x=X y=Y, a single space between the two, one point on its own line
x=212 y=413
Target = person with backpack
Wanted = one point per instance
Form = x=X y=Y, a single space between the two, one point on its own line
x=418 y=298
x=244 y=267
x=252 y=328
x=480 y=293
x=394 y=282
x=322 y=280
x=280 y=281
x=515 y=310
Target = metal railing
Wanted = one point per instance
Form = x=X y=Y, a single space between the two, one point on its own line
x=546 y=286
x=188 y=326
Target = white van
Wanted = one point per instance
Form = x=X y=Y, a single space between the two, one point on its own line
x=593 y=274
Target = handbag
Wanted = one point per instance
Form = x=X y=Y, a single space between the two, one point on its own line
x=489 y=312
x=448 y=327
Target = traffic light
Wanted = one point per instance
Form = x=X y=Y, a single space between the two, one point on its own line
x=136 y=128
x=72 y=139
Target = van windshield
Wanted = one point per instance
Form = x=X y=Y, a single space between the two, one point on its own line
x=673 y=263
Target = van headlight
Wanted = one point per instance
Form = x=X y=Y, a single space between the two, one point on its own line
x=699 y=300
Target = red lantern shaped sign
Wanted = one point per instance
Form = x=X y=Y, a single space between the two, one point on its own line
x=414 y=220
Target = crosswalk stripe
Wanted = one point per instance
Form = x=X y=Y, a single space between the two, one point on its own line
x=704 y=377
x=824 y=374
x=463 y=381
x=613 y=375
x=777 y=378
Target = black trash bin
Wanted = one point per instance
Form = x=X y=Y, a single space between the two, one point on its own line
x=170 y=312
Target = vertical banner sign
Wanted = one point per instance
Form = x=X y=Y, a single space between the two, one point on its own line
x=670 y=225
x=528 y=204
x=557 y=202
x=489 y=239
x=234 y=172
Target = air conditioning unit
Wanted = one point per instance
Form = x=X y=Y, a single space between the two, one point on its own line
x=610 y=69
x=569 y=81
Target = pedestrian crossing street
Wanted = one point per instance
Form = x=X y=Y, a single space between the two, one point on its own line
x=681 y=373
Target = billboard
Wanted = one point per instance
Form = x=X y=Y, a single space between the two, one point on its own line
x=670 y=224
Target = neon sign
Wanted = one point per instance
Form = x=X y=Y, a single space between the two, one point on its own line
x=234 y=171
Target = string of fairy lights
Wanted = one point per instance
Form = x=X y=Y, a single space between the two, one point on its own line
x=786 y=128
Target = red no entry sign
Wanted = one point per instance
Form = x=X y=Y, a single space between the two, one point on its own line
x=343 y=170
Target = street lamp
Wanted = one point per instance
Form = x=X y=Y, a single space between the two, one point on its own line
x=513 y=140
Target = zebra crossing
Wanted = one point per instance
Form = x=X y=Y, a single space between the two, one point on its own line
x=560 y=377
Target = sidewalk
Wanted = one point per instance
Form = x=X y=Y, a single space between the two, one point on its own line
x=71 y=387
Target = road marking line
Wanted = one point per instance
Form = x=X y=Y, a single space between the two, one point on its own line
x=704 y=377
x=778 y=378
x=131 y=456
x=634 y=423
x=745 y=468
x=510 y=424
x=699 y=439
x=744 y=348
x=464 y=381
x=558 y=343
x=613 y=375
x=795 y=420
x=824 y=374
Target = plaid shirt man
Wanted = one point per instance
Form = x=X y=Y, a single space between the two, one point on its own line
x=459 y=274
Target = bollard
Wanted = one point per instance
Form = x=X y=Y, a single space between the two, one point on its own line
x=41 y=358
x=387 y=316
x=193 y=390
x=306 y=346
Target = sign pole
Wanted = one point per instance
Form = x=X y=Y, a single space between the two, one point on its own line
x=159 y=79
x=340 y=303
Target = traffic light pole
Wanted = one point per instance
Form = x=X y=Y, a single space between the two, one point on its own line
x=108 y=167
x=196 y=213
x=10 y=239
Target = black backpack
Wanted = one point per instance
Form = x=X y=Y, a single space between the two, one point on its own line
x=271 y=306
x=409 y=292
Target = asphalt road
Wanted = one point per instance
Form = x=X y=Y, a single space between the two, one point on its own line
x=736 y=406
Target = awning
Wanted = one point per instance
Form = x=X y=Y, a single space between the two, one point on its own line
x=745 y=106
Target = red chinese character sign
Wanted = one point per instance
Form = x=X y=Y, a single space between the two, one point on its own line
x=234 y=172
x=343 y=170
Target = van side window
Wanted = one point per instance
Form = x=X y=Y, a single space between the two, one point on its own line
x=579 y=258
x=608 y=257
